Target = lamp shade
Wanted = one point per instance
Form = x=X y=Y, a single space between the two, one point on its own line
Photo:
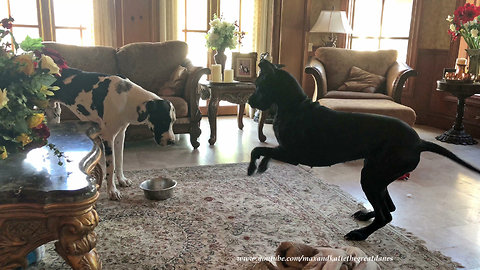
x=332 y=22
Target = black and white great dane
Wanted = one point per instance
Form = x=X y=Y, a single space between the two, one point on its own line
x=113 y=103
x=316 y=136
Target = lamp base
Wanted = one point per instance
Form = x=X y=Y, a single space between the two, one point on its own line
x=331 y=42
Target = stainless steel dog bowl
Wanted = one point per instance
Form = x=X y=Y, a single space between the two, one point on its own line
x=159 y=188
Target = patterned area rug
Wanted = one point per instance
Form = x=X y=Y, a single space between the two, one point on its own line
x=218 y=214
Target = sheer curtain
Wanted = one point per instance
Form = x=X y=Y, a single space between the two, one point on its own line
x=104 y=22
x=263 y=19
x=168 y=20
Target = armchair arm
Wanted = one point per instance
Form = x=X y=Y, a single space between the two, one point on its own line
x=317 y=70
x=397 y=75
x=192 y=95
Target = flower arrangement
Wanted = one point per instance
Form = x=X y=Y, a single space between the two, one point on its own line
x=223 y=34
x=465 y=22
x=25 y=84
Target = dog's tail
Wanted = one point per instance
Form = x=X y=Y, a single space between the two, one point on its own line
x=435 y=148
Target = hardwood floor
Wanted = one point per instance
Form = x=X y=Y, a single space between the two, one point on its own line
x=440 y=203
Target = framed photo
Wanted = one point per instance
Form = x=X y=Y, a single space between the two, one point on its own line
x=244 y=66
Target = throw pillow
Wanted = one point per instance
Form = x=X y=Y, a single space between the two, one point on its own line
x=360 y=80
x=176 y=84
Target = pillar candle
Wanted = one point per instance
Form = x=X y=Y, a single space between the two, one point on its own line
x=228 y=75
x=216 y=73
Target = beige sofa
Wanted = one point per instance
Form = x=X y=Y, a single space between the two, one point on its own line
x=339 y=73
x=160 y=67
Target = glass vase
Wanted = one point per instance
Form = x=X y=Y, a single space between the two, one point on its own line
x=220 y=58
x=473 y=61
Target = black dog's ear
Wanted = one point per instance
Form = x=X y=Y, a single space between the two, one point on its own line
x=142 y=115
x=266 y=66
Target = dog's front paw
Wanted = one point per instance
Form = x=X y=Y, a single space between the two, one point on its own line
x=252 y=167
x=114 y=195
x=356 y=235
x=363 y=215
x=124 y=182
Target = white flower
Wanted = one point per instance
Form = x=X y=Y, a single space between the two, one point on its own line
x=452 y=27
x=449 y=18
x=3 y=98
x=46 y=62
x=474 y=32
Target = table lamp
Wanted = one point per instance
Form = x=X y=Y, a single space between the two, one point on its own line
x=332 y=22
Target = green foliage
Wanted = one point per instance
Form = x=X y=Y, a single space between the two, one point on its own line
x=22 y=85
x=31 y=44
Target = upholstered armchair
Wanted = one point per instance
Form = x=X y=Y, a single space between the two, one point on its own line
x=159 y=67
x=361 y=81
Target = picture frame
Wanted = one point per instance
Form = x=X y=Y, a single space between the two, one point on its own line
x=244 y=66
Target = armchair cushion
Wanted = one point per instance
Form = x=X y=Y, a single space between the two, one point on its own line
x=175 y=86
x=150 y=64
x=338 y=62
x=181 y=106
x=360 y=80
x=93 y=59
x=356 y=95
x=375 y=106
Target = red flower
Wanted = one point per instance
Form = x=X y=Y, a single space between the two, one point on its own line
x=7 y=23
x=465 y=14
x=42 y=131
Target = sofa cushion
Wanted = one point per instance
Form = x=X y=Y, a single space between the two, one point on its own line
x=181 y=106
x=375 y=106
x=149 y=64
x=338 y=62
x=93 y=59
x=356 y=95
x=360 y=80
x=176 y=84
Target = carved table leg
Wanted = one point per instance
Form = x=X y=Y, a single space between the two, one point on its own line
x=212 y=119
x=261 y=122
x=457 y=134
x=77 y=241
x=241 y=110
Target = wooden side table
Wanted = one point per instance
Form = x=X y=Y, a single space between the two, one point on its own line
x=237 y=93
x=41 y=201
x=461 y=90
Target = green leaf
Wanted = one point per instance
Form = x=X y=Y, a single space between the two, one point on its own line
x=31 y=44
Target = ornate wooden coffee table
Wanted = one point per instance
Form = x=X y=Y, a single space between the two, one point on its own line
x=237 y=93
x=41 y=201
x=461 y=90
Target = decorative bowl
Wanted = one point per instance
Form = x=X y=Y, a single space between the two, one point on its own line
x=160 y=188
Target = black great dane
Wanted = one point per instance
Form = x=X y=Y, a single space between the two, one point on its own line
x=313 y=135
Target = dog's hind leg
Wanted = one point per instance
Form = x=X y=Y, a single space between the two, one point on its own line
x=375 y=179
x=119 y=145
x=364 y=215
x=268 y=153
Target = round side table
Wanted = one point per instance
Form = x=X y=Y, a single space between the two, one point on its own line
x=461 y=90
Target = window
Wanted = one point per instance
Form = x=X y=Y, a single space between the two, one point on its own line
x=66 y=21
x=194 y=15
x=73 y=21
x=26 y=17
x=381 y=24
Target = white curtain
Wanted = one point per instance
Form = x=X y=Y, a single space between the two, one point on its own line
x=168 y=20
x=104 y=22
x=263 y=19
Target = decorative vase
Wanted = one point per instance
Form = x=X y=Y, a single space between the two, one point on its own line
x=220 y=58
x=473 y=61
